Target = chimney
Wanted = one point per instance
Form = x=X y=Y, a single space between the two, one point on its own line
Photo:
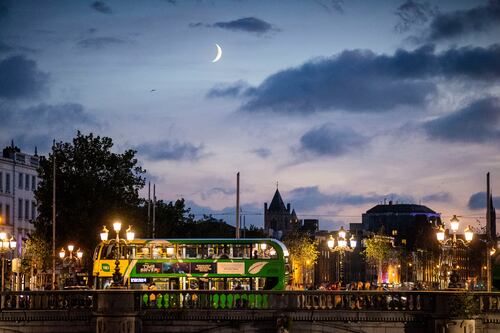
x=288 y=207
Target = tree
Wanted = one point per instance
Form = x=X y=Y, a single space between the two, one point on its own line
x=379 y=250
x=303 y=252
x=94 y=186
x=171 y=218
x=36 y=257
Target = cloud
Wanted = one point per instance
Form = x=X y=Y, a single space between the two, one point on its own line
x=20 y=78
x=101 y=7
x=413 y=12
x=4 y=48
x=246 y=24
x=217 y=191
x=100 y=42
x=262 y=152
x=228 y=90
x=478 y=201
x=362 y=81
x=4 y=8
x=437 y=197
x=478 y=122
x=462 y=22
x=252 y=213
x=310 y=198
x=330 y=140
x=46 y=122
x=168 y=150
x=332 y=5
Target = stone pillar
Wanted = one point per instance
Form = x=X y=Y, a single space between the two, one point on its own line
x=116 y=312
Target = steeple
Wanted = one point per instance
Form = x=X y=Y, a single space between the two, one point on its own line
x=277 y=204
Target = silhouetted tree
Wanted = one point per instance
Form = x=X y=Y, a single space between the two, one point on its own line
x=94 y=186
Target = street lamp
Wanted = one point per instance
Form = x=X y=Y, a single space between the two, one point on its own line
x=453 y=243
x=342 y=247
x=71 y=259
x=130 y=235
x=6 y=245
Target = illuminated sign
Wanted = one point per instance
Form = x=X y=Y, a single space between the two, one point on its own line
x=138 y=280
x=202 y=268
x=105 y=267
x=152 y=267
x=230 y=268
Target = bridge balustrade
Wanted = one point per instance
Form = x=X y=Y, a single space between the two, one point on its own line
x=300 y=300
x=48 y=300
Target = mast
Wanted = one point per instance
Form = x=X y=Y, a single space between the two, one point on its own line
x=238 y=205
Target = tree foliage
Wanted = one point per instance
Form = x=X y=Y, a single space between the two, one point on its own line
x=378 y=248
x=94 y=186
x=303 y=250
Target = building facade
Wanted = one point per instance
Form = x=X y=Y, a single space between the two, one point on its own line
x=18 y=181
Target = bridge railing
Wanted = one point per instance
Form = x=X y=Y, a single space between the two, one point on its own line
x=49 y=300
x=405 y=301
x=301 y=300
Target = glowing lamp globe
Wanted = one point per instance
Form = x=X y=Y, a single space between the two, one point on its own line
x=330 y=242
x=454 y=223
x=342 y=232
x=440 y=234
x=468 y=234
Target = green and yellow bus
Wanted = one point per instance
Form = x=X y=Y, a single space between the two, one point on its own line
x=195 y=264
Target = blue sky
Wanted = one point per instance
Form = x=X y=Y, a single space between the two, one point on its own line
x=345 y=103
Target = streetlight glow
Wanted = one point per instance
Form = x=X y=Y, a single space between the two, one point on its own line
x=454 y=223
x=79 y=254
x=130 y=233
x=117 y=226
x=71 y=248
x=104 y=234
x=62 y=253
x=342 y=232
x=468 y=234
x=330 y=242
x=440 y=234
x=353 y=242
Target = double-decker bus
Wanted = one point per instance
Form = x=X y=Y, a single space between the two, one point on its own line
x=195 y=264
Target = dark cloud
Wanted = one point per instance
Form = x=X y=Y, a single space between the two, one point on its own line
x=228 y=90
x=330 y=140
x=4 y=8
x=412 y=13
x=101 y=7
x=310 y=198
x=437 y=197
x=46 y=122
x=362 y=81
x=246 y=24
x=20 y=78
x=331 y=5
x=476 y=123
x=100 y=42
x=4 y=48
x=167 y=150
x=262 y=152
x=252 y=213
x=478 y=201
x=462 y=22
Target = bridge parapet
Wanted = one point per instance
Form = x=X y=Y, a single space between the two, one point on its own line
x=147 y=311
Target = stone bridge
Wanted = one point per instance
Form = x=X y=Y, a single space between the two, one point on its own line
x=126 y=311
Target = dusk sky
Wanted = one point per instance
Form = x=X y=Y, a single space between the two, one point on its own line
x=344 y=103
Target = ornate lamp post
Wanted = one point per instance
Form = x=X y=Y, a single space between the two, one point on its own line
x=342 y=247
x=452 y=243
x=6 y=245
x=71 y=259
x=118 y=244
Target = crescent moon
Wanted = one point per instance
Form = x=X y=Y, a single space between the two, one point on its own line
x=219 y=53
